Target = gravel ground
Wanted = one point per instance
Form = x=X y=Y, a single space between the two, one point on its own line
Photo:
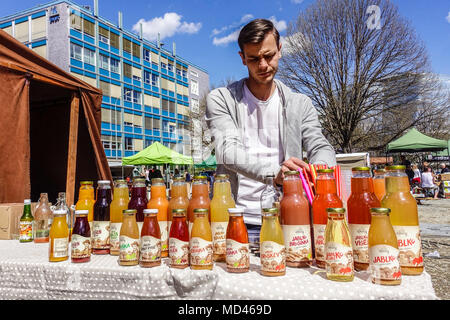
x=434 y=219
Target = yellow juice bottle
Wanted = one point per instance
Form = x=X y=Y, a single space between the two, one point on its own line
x=129 y=239
x=220 y=203
x=59 y=237
x=200 y=244
x=86 y=199
x=118 y=204
x=272 y=247
x=404 y=218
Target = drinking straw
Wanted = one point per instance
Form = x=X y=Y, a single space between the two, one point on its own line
x=306 y=186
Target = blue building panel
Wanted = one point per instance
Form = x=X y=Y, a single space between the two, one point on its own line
x=103 y=72
x=108 y=152
x=115 y=76
x=76 y=63
x=89 y=67
x=127 y=55
x=115 y=101
x=75 y=33
x=128 y=104
x=106 y=99
x=88 y=39
x=76 y=70
x=127 y=80
x=20 y=20
x=103 y=45
x=128 y=129
x=114 y=50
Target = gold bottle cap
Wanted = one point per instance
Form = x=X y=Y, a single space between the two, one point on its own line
x=380 y=211
x=396 y=167
x=86 y=182
x=221 y=176
x=291 y=173
x=361 y=169
x=129 y=211
x=179 y=179
x=200 y=178
x=201 y=210
x=380 y=170
x=120 y=181
x=179 y=212
x=157 y=180
x=270 y=211
x=325 y=170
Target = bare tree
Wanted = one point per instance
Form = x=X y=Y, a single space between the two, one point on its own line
x=366 y=71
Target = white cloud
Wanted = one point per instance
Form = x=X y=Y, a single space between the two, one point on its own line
x=167 y=26
x=279 y=25
x=223 y=41
x=448 y=17
x=245 y=18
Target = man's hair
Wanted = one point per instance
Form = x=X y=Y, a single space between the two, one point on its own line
x=255 y=31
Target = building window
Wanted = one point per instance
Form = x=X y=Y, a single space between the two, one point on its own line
x=75 y=21
x=115 y=65
x=194 y=87
x=126 y=45
x=127 y=94
x=89 y=56
x=104 y=62
x=103 y=35
x=155 y=80
x=106 y=141
x=105 y=87
x=184 y=73
x=127 y=70
x=195 y=107
x=89 y=27
x=163 y=65
x=147 y=77
x=128 y=143
x=170 y=67
x=178 y=72
x=136 y=50
x=76 y=51
x=114 y=38
x=147 y=55
x=136 y=96
x=137 y=78
x=193 y=73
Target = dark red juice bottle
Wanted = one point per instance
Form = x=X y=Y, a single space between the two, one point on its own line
x=138 y=200
x=100 y=232
x=179 y=240
x=81 y=238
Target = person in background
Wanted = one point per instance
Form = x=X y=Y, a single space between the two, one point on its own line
x=428 y=182
x=417 y=175
x=444 y=168
x=188 y=176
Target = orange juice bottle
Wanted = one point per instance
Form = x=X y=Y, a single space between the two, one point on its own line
x=150 y=250
x=129 y=239
x=200 y=244
x=199 y=198
x=158 y=200
x=59 y=237
x=86 y=199
x=379 y=183
x=238 y=249
x=178 y=197
x=118 y=204
x=383 y=249
x=272 y=248
x=220 y=203
x=404 y=219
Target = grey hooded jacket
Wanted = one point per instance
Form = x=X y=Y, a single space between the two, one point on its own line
x=298 y=123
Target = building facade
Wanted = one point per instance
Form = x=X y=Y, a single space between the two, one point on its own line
x=147 y=90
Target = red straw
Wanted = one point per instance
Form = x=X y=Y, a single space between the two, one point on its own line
x=306 y=186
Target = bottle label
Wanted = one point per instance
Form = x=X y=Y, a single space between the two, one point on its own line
x=297 y=239
x=178 y=252
x=81 y=247
x=129 y=249
x=115 y=235
x=41 y=229
x=201 y=252
x=164 y=235
x=238 y=255
x=384 y=264
x=26 y=230
x=100 y=235
x=273 y=256
x=150 y=249
x=409 y=244
x=360 y=242
x=319 y=241
x=339 y=259
x=60 y=247
x=219 y=233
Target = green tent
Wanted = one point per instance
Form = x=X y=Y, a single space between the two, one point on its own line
x=414 y=141
x=210 y=162
x=445 y=152
x=157 y=153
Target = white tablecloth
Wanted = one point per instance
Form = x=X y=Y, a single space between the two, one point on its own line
x=26 y=273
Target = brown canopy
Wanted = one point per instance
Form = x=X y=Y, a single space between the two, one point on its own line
x=46 y=144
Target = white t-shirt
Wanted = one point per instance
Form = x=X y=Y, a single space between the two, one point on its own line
x=427 y=180
x=262 y=143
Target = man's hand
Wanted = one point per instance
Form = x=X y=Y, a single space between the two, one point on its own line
x=288 y=165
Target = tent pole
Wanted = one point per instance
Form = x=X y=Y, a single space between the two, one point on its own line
x=72 y=152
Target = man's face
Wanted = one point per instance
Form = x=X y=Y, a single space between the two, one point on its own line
x=261 y=59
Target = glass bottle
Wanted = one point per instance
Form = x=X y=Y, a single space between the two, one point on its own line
x=179 y=240
x=361 y=199
x=159 y=201
x=338 y=247
x=100 y=227
x=238 y=250
x=405 y=220
x=384 y=266
x=200 y=244
x=220 y=203
x=199 y=199
x=118 y=204
x=129 y=239
x=26 y=223
x=178 y=197
x=81 y=238
x=62 y=205
x=270 y=195
x=150 y=255
x=272 y=248
x=138 y=200
x=295 y=222
x=43 y=217
x=326 y=197
x=379 y=183
x=86 y=199
x=59 y=236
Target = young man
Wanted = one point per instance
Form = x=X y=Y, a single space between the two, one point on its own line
x=259 y=125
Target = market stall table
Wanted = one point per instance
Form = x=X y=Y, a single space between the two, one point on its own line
x=25 y=273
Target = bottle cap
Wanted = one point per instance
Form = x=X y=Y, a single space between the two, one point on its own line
x=179 y=212
x=150 y=211
x=157 y=180
x=380 y=211
x=201 y=211
x=325 y=170
x=27 y=201
x=86 y=182
x=103 y=182
x=235 y=210
x=79 y=212
x=60 y=212
x=336 y=210
x=396 y=167
x=179 y=179
x=222 y=176
x=200 y=178
x=360 y=169
x=120 y=181
x=270 y=212
x=129 y=211
x=291 y=173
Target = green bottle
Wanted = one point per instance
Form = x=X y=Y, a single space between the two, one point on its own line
x=26 y=223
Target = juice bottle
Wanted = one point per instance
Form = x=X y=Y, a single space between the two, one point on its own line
x=118 y=204
x=138 y=200
x=26 y=223
x=384 y=267
x=179 y=240
x=338 y=247
x=272 y=248
x=361 y=199
x=43 y=217
x=199 y=198
x=129 y=239
x=405 y=220
x=379 y=184
x=150 y=240
x=238 y=250
x=200 y=244
x=59 y=237
x=220 y=203
x=86 y=199
x=100 y=226
x=178 y=197
x=61 y=204
x=81 y=238
x=326 y=197
x=295 y=222
x=159 y=201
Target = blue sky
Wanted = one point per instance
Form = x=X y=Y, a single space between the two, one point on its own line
x=205 y=30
